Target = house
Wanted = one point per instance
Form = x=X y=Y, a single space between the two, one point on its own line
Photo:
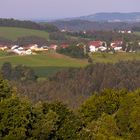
x=63 y=30
x=64 y=46
x=125 y=31
x=14 y=47
x=33 y=47
x=129 y=32
x=20 y=48
x=53 y=46
x=116 y=45
x=3 y=47
x=95 y=46
x=45 y=47
x=22 y=52
x=28 y=52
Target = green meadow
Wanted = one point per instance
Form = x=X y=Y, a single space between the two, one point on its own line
x=12 y=33
x=137 y=33
x=113 y=58
x=50 y=63
x=45 y=64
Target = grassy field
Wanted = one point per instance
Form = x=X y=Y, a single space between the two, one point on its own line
x=13 y=33
x=113 y=58
x=137 y=33
x=44 y=65
x=3 y=53
x=48 y=64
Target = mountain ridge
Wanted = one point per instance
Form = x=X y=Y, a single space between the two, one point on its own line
x=108 y=16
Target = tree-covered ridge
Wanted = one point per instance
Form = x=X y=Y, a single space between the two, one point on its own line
x=74 y=85
x=27 y=24
x=77 y=25
x=107 y=115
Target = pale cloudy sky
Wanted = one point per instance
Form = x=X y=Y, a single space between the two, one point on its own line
x=43 y=9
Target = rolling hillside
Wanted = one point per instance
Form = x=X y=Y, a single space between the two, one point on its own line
x=44 y=65
x=50 y=63
x=12 y=33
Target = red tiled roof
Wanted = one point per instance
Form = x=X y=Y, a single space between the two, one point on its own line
x=64 y=46
x=52 y=45
x=116 y=44
x=96 y=43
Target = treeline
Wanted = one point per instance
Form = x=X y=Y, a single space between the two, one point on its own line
x=5 y=41
x=73 y=51
x=107 y=36
x=27 y=40
x=27 y=24
x=106 y=115
x=73 y=86
x=81 y=25
x=65 y=38
x=18 y=73
x=23 y=41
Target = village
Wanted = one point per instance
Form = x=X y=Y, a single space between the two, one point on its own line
x=92 y=47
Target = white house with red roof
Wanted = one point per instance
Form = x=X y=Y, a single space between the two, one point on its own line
x=95 y=46
x=64 y=46
x=117 y=45
x=53 y=46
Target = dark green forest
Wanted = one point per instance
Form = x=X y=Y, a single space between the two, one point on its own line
x=27 y=24
x=74 y=85
x=77 y=25
x=99 y=102
x=106 y=115
x=73 y=51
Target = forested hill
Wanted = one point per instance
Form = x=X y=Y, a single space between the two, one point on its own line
x=110 y=114
x=27 y=24
x=109 y=17
x=100 y=21
x=80 y=25
x=115 y=16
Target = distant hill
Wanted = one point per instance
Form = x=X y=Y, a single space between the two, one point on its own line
x=80 y=25
x=113 y=17
x=108 y=17
x=100 y=21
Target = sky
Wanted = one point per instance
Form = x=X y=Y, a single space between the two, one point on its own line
x=54 y=9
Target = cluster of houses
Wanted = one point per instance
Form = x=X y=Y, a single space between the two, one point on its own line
x=30 y=49
x=94 y=46
x=125 y=31
x=27 y=49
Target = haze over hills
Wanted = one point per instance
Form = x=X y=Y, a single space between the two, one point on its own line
x=110 y=17
x=113 y=17
x=100 y=21
x=82 y=25
x=104 y=16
